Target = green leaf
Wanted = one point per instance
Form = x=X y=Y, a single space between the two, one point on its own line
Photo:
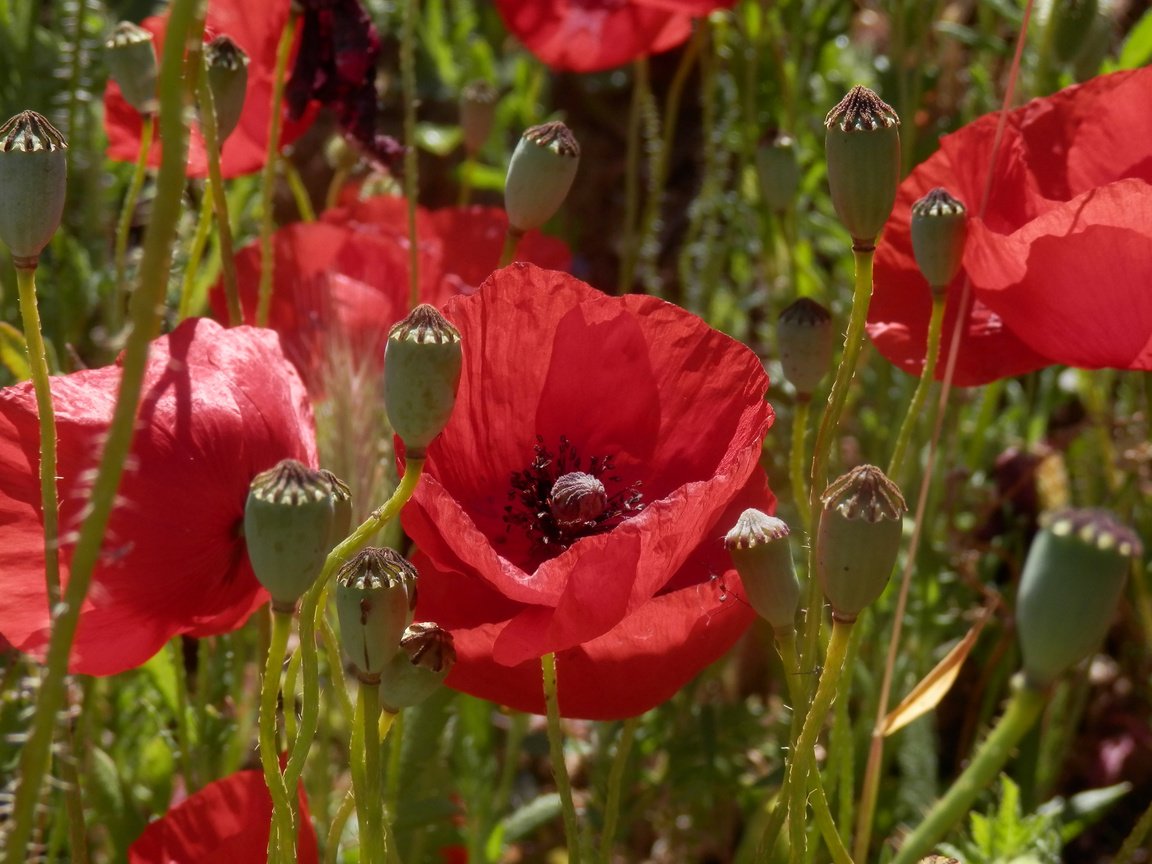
x=1137 y=50
x=531 y=816
x=437 y=138
x=163 y=675
x=14 y=352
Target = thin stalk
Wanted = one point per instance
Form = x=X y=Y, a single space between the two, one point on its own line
x=148 y=300
x=411 y=162
x=268 y=178
x=46 y=415
x=556 y=753
x=615 y=787
x=336 y=831
x=73 y=797
x=1133 y=842
x=369 y=800
x=1024 y=707
x=195 y=253
x=280 y=839
x=511 y=241
x=332 y=195
x=916 y=406
x=797 y=459
x=291 y=678
x=183 y=731
x=299 y=190
x=641 y=92
x=124 y=224
x=390 y=720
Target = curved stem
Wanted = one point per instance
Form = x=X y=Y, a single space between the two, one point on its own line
x=148 y=300
x=615 y=785
x=556 y=753
x=336 y=830
x=299 y=190
x=411 y=162
x=796 y=459
x=124 y=224
x=1023 y=710
x=46 y=415
x=280 y=837
x=195 y=253
x=935 y=325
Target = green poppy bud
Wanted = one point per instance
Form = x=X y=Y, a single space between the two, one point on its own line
x=778 y=171
x=226 y=65
x=477 y=115
x=341 y=508
x=1072 y=581
x=807 y=339
x=375 y=596
x=131 y=58
x=422 y=363
x=859 y=536
x=1071 y=25
x=540 y=174
x=427 y=654
x=939 y=229
x=862 y=146
x=760 y=550
x=288 y=527
x=33 y=185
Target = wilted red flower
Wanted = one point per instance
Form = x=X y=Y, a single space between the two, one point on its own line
x=577 y=501
x=342 y=282
x=227 y=820
x=593 y=35
x=218 y=407
x=1061 y=262
x=256 y=28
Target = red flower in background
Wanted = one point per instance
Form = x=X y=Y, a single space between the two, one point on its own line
x=594 y=35
x=341 y=282
x=577 y=501
x=218 y=407
x=255 y=27
x=1061 y=262
x=226 y=821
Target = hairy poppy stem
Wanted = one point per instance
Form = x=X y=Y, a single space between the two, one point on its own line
x=411 y=161
x=615 y=785
x=41 y=383
x=556 y=752
x=281 y=838
x=115 y=315
x=511 y=242
x=641 y=96
x=366 y=779
x=336 y=829
x=195 y=253
x=931 y=353
x=796 y=459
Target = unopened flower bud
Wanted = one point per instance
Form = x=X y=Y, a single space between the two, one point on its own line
x=540 y=174
x=288 y=528
x=33 y=185
x=577 y=499
x=859 y=536
x=1072 y=24
x=939 y=229
x=341 y=508
x=778 y=171
x=760 y=550
x=375 y=596
x=427 y=654
x=1072 y=581
x=422 y=363
x=806 y=338
x=862 y=146
x=477 y=115
x=131 y=57
x=226 y=65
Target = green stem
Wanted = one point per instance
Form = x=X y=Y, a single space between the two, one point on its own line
x=291 y=677
x=932 y=352
x=786 y=648
x=73 y=798
x=46 y=415
x=280 y=839
x=299 y=190
x=615 y=787
x=183 y=732
x=797 y=459
x=370 y=801
x=411 y=163
x=1023 y=710
x=393 y=721
x=511 y=241
x=268 y=178
x=641 y=92
x=195 y=253
x=146 y=306
x=124 y=224
x=336 y=831
x=556 y=753
x=1133 y=842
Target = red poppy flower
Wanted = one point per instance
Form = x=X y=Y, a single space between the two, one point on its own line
x=342 y=282
x=218 y=407
x=1060 y=263
x=256 y=28
x=577 y=502
x=227 y=820
x=594 y=35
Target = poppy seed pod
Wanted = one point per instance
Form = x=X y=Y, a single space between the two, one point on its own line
x=862 y=146
x=226 y=65
x=422 y=363
x=477 y=114
x=375 y=596
x=1069 y=589
x=778 y=172
x=807 y=339
x=426 y=656
x=858 y=539
x=939 y=229
x=760 y=550
x=288 y=527
x=540 y=174
x=341 y=508
x=33 y=184
x=130 y=53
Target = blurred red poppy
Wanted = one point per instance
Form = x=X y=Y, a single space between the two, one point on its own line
x=218 y=407
x=577 y=501
x=594 y=35
x=226 y=821
x=256 y=28
x=340 y=283
x=1061 y=261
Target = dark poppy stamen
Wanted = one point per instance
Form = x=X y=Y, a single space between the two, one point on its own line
x=557 y=499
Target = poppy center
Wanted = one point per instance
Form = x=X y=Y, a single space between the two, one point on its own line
x=558 y=498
